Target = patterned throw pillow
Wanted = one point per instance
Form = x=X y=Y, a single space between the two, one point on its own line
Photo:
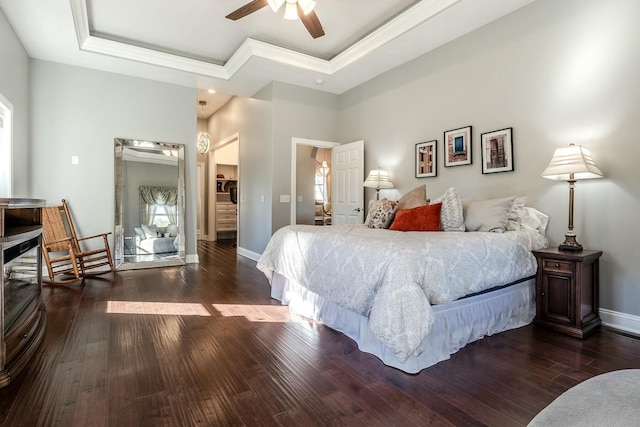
x=451 y=217
x=381 y=213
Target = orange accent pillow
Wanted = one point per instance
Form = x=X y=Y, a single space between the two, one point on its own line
x=422 y=218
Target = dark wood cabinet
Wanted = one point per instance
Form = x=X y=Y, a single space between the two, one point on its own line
x=22 y=316
x=567 y=289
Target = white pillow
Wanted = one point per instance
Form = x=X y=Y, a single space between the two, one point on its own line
x=488 y=215
x=517 y=210
x=150 y=231
x=172 y=229
x=139 y=232
x=533 y=219
x=451 y=214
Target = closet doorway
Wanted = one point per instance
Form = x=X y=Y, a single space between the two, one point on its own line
x=224 y=185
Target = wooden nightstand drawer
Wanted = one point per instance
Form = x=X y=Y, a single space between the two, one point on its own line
x=555 y=265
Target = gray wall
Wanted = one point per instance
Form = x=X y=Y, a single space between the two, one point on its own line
x=558 y=72
x=266 y=123
x=303 y=113
x=251 y=119
x=14 y=86
x=79 y=111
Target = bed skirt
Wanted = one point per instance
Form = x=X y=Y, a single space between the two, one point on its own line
x=455 y=325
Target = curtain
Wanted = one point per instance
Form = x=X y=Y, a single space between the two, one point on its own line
x=150 y=197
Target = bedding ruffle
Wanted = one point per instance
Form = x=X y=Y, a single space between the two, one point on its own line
x=399 y=275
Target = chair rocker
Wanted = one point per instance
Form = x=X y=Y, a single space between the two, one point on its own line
x=66 y=261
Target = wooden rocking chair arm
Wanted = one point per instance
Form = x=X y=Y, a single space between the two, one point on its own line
x=53 y=242
x=94 y=236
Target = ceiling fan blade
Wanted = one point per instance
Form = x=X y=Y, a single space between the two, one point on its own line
x=247 y=9
x=311 y=23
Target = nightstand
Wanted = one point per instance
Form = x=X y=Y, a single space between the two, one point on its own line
x=567 y=289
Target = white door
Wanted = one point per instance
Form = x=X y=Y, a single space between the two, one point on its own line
x=347 y=193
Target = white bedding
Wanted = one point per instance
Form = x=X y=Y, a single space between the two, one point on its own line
x=397 y=276
x=156 y=245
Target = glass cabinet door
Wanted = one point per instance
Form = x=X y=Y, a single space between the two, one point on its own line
x=21 y=278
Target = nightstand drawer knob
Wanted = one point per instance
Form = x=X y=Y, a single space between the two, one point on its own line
x=557 y=265
x=542 y=293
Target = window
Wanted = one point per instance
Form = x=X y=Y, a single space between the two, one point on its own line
x=160 y=217
x=321 y=185
x=6 y=110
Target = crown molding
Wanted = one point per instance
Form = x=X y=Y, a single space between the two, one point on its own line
x=409 y=19
x=412 y=17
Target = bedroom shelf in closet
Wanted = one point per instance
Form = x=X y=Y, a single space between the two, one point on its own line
x=226 y=209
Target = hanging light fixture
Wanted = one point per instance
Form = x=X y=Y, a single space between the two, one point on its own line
x=307 y=6
x=203 y=143
x=275 y=4
x=291 y=9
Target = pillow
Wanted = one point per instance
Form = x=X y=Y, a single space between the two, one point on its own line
x=381 y=213
x=517 y=211
x=451 y=215
x=414 y=198
x=534 y=220
x=488 y=215
x=422 y=218
x=139 y=232
x=150 y=231
x=172 y=230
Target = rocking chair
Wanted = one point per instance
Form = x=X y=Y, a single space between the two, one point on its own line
x=66 y=261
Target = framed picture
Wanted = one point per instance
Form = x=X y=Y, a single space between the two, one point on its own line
x=426 y=159
x=457 y=147
x=497 y=151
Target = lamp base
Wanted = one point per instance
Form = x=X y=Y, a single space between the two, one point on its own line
x=570 y=244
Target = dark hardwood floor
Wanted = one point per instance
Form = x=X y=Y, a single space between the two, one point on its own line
x=204 y=345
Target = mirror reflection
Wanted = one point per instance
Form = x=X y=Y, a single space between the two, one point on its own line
x=149 y=191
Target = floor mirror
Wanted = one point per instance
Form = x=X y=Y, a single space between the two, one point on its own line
x=149 y=204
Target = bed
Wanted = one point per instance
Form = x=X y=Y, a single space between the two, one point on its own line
x=411 y=298
x=156 y=240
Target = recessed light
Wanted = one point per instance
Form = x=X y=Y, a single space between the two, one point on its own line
x=319 y=82
x=211 y=91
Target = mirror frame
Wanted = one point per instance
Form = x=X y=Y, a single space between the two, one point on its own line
x=119 y=238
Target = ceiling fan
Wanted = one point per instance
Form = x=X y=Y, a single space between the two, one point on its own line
x=295 y=9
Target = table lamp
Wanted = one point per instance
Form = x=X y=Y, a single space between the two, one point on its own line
x=378 y=178
x=571 y=164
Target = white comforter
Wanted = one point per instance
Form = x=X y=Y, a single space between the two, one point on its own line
x=394 y=277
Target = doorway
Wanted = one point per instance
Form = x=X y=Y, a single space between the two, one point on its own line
x=306 y=160
x=224 y=190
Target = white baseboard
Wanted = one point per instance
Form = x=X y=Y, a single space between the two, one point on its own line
x=192 y=259
x=621 y=321
x=248 y=254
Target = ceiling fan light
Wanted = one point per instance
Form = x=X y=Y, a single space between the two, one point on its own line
x=307 y=5
x=291 y=12
x=275 y=4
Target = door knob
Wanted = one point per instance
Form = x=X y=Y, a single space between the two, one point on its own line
x=357 y=209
